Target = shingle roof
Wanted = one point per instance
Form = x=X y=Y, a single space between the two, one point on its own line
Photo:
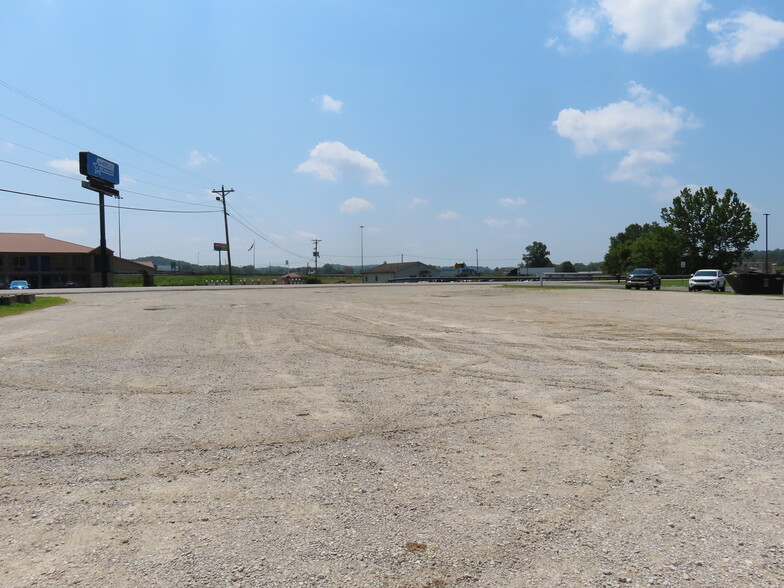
x=38 y=243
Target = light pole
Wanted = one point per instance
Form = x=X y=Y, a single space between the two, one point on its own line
x=362 y=252
x=767 y=214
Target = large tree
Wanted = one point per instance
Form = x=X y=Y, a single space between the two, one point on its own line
x=648 y=245
x=536 y=255
x=715 y=231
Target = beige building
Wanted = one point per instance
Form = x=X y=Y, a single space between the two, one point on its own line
x=390 y=271
x=52 y=263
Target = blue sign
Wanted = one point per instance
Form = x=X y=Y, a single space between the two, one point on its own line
x=98 y=168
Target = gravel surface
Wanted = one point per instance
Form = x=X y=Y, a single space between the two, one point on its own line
x=410 y=436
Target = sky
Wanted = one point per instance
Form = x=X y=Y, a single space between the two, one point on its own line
x=423 y=130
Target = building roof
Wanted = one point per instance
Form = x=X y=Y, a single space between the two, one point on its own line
x=391 y=268
x=38 y=243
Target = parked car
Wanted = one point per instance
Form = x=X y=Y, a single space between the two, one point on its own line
x=19 y=285
x=643 y=277
x=71 y=285
x=708 y=279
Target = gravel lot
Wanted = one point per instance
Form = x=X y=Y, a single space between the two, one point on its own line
x=411 y=436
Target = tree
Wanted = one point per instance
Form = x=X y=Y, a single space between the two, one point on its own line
x=567 y=267
x=618 y=259
x=536 y=255
x=715 y=231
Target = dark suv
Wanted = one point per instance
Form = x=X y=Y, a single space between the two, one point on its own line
x=643 y=276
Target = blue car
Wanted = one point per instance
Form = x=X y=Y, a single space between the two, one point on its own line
x=19 y=285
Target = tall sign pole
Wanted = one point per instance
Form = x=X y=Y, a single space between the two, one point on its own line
x=102 y=177
x=222 y=198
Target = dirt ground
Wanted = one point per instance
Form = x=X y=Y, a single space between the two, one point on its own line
x=410 y=436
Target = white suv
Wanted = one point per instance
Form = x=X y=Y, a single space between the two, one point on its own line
x=707 y=279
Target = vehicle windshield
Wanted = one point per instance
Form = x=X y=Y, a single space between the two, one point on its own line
x=642 y=271
x=706 y=273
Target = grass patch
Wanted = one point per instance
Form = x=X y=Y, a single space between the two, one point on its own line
x=39 y=303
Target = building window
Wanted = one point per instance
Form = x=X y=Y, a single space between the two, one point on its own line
x=19 y=262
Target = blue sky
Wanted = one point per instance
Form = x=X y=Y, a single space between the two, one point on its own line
x=442 y=128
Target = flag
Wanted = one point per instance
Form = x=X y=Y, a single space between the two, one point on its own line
x=252 y=245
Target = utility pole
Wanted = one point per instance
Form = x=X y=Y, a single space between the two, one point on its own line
x=316 y=254
x=222 y=198
x=767 y=214
x=362 y=253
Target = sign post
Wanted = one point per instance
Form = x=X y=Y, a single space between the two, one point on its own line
x=102 y=177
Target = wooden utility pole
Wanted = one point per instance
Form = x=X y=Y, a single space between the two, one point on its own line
x=222 y=198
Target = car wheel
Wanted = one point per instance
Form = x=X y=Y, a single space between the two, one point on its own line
x=628 y=287
x=691 y=289
x=649 y=287
x=638 y=287
x=723 y=288
x=658 y=287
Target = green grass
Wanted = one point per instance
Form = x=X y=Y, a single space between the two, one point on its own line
x=166 y=280
x=40 y=302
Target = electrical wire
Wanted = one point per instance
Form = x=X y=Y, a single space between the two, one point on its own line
x=107 y=205
x=97 y=130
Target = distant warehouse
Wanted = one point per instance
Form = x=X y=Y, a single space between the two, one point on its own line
x=391 y=271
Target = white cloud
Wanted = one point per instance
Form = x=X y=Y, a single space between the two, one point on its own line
x=637 y=165
x=70 y=166
x=511 y=203
x=644 y=25
x=354 y=205
x=648 y=122
x=329 y=104
x=644 y=127
x=331 y=159
x=195 y=159
x=494 y=222
x=744 y=37
x=305 y=235
x=416 y=202
x=652 y=24
x=581 y=24
x=449 y=215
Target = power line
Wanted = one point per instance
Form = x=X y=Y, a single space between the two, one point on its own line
x=95 y=129
x=44 y=171
x=108 y=205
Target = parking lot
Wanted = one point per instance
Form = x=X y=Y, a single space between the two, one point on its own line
x=418 y=435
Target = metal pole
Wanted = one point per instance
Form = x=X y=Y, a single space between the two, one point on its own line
x=119 y=230
x=362 y=252
x=477 y=262
x=104 y=260
x=767 y=214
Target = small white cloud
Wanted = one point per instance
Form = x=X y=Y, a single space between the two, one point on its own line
x=652 y=24
x=637 y=165
x=416 y=202
x=581 y=23
x=744 y=37
x=331 y=159
x=305 y=235
x=7 y=146
x=512 y=202
x=494 y=222
x=449 y=215
x=647 y=123
x=645 y=127
x=354 y=205
x=70 y=166
x=196 y=159
x=329 y=104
